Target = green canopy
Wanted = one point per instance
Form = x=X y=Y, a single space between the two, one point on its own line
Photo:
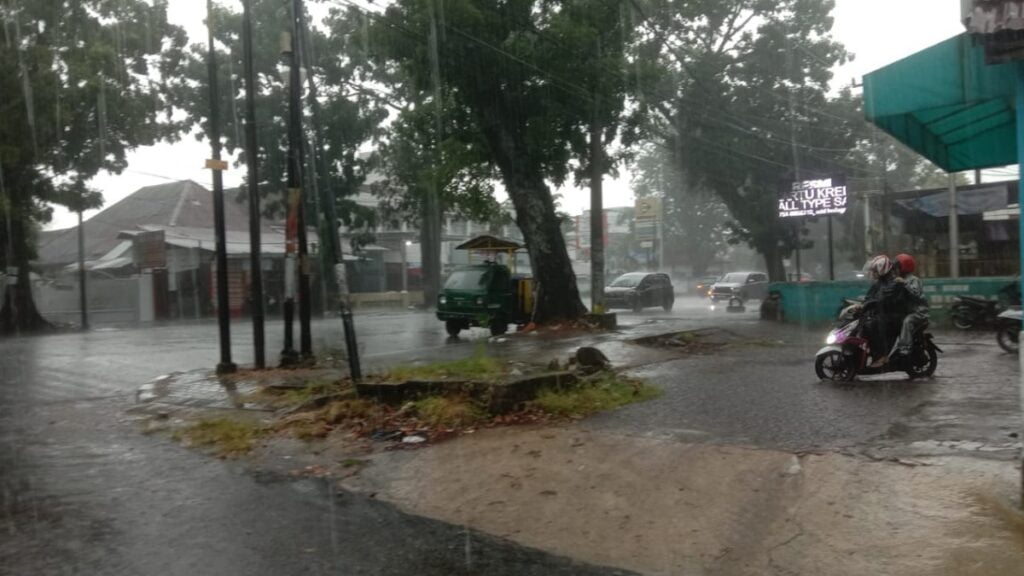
x=946 y=104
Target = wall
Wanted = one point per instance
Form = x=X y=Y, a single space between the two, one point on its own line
x=111 y=300
x=818 y=302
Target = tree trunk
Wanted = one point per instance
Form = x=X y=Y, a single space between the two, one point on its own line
x=430 y=246
x=773 y=260
x=557 y=295
x=19 y=313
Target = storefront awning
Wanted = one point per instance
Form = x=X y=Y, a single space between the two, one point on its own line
x=946 y=104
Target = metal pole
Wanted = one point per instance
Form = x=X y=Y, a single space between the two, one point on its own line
x=831 y=255
x=954 y=230
x=83 y=301
x=1020 y=219
x=305 y=304
x=252 y=159
x=216 y=166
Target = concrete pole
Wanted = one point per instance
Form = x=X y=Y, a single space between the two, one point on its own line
x=1020 y=220
x=251 y=161
x=954 y=230
x=83 y=301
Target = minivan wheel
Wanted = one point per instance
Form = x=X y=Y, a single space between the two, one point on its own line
x=498 y=326
x=453 y=327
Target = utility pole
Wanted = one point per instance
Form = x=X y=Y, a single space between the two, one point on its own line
x=431 y=248
x=796 y=158
x=83 y=300
x=332 y=255
x=216 y=165
x=296 y=139
x=251 y=160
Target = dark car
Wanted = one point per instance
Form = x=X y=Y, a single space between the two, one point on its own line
x=639 y=290
x=703 y=285
x=742 y=285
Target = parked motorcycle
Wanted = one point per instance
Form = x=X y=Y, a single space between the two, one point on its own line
x=848 y=353
x=969 y=312
x=1008 y=326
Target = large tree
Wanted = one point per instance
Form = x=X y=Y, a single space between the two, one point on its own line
x=520 y=70
x=81 y=84
x=739 y=90
x=695 y=220
x=339 y=122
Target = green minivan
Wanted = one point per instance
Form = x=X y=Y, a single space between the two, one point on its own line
x=486 y=295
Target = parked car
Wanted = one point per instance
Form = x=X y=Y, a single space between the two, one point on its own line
x=702 y=287
x=742 y=285
x=639 y=290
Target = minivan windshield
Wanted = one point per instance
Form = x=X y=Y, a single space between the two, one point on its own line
x=466 y=280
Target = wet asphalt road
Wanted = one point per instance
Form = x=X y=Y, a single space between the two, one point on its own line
x=83 y=492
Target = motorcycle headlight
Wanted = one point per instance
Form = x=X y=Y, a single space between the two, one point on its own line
x=831 y=339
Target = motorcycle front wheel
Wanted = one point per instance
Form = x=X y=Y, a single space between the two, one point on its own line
x=834 y=366
x=1009 y=339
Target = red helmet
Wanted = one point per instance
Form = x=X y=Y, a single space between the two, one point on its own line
x=906 y=263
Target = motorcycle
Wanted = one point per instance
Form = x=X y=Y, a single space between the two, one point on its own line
x=847 y=350
x=968 y=312
x=1008 y=326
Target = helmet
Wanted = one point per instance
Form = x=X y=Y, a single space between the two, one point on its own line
x=906 y=263
x=879 y=266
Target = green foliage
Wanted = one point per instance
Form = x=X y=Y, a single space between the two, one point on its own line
x=728 y=85
x=598 y=394
x=345 y=118
x=478 y=367
x=77 y=91
x=694 y=217
x=449 y=412
x=227 y=437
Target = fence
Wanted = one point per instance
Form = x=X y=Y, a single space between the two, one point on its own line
x=110 y=300
x=818 y=302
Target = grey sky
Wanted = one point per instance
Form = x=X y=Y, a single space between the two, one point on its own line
x=876 y=31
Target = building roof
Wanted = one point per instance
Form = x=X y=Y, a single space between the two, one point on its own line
x=183 y=204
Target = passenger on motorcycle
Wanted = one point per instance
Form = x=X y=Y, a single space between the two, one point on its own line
x=915 y=301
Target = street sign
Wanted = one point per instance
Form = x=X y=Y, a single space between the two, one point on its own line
x=647 y=208
x=809 y=198
x=647 y=244
x=150 y=249
x=217 y=164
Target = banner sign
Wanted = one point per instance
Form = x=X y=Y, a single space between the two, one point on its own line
x=810 y=198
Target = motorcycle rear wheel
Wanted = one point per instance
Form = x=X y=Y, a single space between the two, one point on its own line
x=919 y=369
x=834 y=366
x=1009 y=340
x=963 y=320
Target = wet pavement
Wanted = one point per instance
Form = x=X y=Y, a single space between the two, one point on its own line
x=82 y=491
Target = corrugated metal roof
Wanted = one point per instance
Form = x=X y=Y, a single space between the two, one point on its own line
x=171 y=205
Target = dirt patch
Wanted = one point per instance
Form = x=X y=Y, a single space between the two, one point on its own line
x=665 y=507
x=703 y=341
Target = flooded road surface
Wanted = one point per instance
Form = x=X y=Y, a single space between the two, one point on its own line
x=83 y=492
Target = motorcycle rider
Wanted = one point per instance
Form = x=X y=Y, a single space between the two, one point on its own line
x=885 y=295
x=915 y=300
